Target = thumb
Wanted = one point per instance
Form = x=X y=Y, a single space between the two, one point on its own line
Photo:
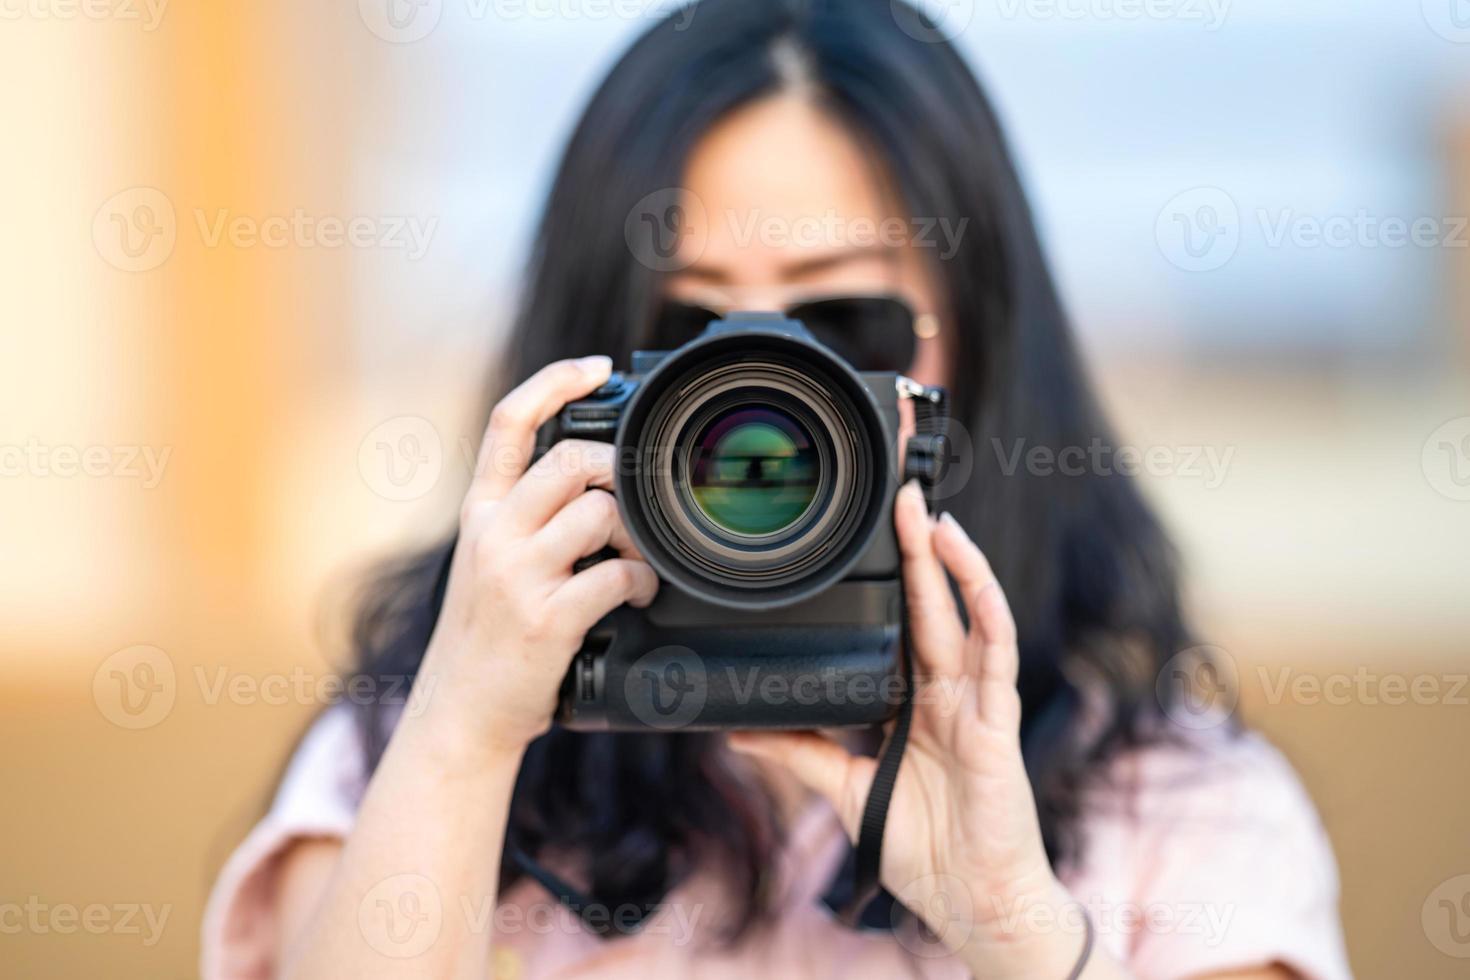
x=817 y=763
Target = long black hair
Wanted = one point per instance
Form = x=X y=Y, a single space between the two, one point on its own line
x=1089 y=573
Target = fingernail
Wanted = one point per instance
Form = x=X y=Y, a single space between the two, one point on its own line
x=741 y=745
x=911 y=488
x=948 y=518
x=597 y=365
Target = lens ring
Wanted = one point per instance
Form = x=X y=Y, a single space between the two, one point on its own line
x=719 y=557
x=787 y=556
x=730 y=431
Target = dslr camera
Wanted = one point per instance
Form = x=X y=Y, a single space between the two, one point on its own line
x=756 y=472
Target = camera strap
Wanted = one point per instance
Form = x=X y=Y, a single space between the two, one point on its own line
x=931 y=417
x=868 y=853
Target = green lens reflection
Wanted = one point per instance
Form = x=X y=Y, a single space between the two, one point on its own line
x=754 y=471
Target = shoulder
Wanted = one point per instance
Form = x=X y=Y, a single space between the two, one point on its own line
x=1213 y=847
x=326 y=774
x=1224 y=778
x=316 y=799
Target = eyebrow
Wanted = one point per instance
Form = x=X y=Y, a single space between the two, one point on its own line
x=800 y=267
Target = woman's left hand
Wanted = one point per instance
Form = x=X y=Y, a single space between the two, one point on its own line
x=963 y=847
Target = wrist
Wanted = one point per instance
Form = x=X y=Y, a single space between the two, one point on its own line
x=1036 y=931
x=458 y=737
x=462 y=715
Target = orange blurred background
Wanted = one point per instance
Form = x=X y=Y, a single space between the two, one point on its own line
x=209 y=434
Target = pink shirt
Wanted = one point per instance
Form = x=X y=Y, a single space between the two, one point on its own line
x=1202 y=859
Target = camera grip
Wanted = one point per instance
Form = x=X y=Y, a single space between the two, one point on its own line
x=693 y=671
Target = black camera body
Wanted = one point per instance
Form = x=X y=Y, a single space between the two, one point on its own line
x=756 y=473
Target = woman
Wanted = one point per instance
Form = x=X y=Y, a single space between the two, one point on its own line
x=1050 y=820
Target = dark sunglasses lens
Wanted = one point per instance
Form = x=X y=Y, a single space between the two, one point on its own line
x=872 y=333
x=678 y=323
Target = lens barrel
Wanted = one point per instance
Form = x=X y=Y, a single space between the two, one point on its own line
x=759 y=467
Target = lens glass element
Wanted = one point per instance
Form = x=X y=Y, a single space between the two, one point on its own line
x=753 y=470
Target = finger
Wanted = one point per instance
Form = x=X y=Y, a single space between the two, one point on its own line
x=556 y=479
x=590 y=594
x=934 y=624
x=510 y=438
x=820 y=764
x=583 y=527
x=992 y=628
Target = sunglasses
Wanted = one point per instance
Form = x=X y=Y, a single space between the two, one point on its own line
x=871 y=333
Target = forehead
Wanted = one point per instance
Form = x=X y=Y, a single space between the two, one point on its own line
x=782 y=180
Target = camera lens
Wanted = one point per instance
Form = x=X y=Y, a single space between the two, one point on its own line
x=753 y=471
x=756 y=465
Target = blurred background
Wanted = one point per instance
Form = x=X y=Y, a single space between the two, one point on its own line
x=256 y=259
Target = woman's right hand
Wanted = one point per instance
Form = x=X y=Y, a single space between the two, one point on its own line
x=514 y=613
x=513 y=617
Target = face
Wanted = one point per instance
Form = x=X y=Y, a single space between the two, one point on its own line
x=794 y=210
